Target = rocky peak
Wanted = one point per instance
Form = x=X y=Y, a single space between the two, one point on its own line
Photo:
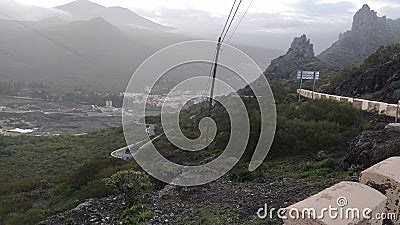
x=299 y=56
x=301 y=48
x=365 y=17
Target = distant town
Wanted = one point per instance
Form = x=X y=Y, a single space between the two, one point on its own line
x=51 y=118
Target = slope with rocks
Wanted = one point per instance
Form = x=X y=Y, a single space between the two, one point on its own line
x=377 y=79
x=368 y=33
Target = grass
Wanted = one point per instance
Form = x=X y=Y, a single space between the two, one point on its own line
x=40 y=176
x=213 y=214
x=7 y=101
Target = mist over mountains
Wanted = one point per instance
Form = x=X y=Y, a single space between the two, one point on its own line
x=368 y=33
x=118 y=16
x=93 y=46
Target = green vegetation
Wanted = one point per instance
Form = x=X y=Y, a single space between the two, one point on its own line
x=12 y=102
x=213 y=214
x=306 y=132
x=307 y=128
x=130 y=183
x=134 y=185
x=40 y=176
x=69 y=221
x=46 y=175
x=383 y=55
x=136 y=214
x=325 y=168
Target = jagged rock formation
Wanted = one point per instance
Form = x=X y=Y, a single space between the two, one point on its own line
x=377 y=79
x=300 y=56
x=368 y=32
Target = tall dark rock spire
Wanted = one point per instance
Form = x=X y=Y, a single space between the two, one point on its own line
x=299 y=56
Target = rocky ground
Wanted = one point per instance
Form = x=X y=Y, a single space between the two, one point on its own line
x=94 y=211
x=221 y=202
x=373 y=145
x=226 y=202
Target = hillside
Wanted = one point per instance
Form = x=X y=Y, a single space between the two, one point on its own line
x=367 y=34
x=88 y=52
x=378 y=78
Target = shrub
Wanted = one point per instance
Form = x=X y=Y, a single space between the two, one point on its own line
x=136 y=214
x=69 y=221
x=133 y=184
x=241 y=175
x=325 y=168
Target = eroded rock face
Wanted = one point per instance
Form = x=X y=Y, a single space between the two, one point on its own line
x=300 y=56
x=368 y=33
x=380 y=83
x=366 y=18
x=371 y=147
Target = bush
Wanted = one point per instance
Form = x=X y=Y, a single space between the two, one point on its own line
x=325 y=168
x=315 y=126
x=69 y=221
x=241 y=175
x=133 y=184
x=137 y=214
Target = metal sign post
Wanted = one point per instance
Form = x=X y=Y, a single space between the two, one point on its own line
x=397 y=111
x=301 y=84
x=313 y=88
x=307 y=75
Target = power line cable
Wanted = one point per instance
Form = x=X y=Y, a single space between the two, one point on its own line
x=210 y=74
x=240 y=21
x=54 y=41
x=230 y=24
x=222 y=38
x=227 y=20
x=222 y=33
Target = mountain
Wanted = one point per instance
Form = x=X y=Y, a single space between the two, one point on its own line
x=300 y=56
x=118 y=16
x=367 y=34
x=377 y=79
x=82 y=53
x=78 y=53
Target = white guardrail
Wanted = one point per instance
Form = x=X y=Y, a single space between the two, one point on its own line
x=362 y=104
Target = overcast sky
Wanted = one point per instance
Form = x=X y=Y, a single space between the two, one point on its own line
x=271 y=24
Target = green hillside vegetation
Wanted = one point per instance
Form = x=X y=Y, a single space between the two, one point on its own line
x=383 y=55
x=41 y=176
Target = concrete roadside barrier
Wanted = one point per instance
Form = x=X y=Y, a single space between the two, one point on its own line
x=385 y=177
x=362 y=104
x=342 y=204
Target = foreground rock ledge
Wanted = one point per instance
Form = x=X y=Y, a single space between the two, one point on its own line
x=385 y=177
x=344 y=196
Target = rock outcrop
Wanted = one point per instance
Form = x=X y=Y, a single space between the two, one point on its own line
x=367 y=34
x=300 y=56
x=378 y=79
x=94 y=211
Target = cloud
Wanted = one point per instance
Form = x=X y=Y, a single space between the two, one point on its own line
x=391 y=12
x=324 y=9
x=269 y=30
x=27 y=13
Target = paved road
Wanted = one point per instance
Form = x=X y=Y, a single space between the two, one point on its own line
x=122 y=152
